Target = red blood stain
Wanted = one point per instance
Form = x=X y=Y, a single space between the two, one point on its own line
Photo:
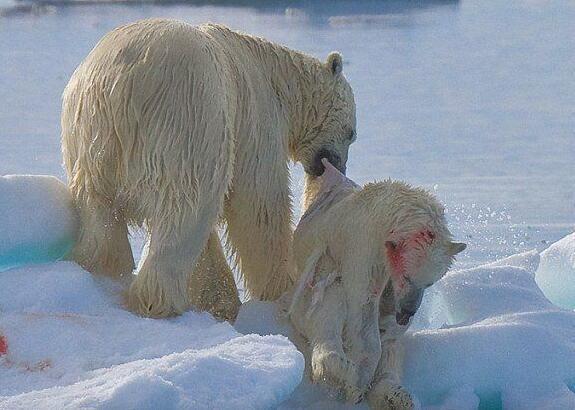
x=397 y=252
x=34 y=367
x=396 y=259
x=421 y=239
x=3 y=345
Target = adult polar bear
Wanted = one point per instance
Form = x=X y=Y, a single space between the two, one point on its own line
x=177 y=128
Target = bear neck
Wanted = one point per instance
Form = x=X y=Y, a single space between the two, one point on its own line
x=301 y=85
x=302 y=90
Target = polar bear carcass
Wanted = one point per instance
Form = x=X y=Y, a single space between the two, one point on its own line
x=179 y=128
x=365 y=256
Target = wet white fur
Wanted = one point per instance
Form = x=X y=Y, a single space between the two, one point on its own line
x=179 y=128
x=351 y=336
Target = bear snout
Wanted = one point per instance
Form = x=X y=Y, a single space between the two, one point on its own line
x=402 y=318
x=334 y=158
x=408 y=305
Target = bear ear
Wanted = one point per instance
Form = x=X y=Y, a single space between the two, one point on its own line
x=454 y=248
x=334 y=63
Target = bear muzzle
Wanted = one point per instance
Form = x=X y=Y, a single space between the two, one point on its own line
x=317 y=168
x=407 y=306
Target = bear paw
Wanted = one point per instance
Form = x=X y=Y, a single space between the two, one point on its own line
x=157 y=296
x=338 y=372
x=387 y=395
x=116 y=262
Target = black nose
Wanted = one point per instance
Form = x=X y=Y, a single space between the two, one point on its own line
x=317 y=167
x=402 y=318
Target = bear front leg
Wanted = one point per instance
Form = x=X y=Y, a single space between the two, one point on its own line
x=330 y=366
x=363 y=339
x=386 y=391
x=161 y=287
x=102 y=246
x=323 y=326
x=212 y=286
x=259 y=229
x=387 y=395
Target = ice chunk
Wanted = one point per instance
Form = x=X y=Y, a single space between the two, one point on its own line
x=503 y=286
x=556 y=273
x=38 y=222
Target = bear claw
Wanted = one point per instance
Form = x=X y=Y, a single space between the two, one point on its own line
x=390 y=396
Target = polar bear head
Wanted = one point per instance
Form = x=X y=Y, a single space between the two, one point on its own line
x=386 y=229
x=329 y=126
x=402 y=229
x=403 y=236
x=417 y=247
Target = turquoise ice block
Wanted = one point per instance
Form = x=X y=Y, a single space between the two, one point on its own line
x=38 y=221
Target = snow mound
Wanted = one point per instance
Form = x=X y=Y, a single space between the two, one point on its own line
x=38 y=222
x=527 y=260
x=65 y=342
x=227 y=376
x=263 y=318
x=556 y=273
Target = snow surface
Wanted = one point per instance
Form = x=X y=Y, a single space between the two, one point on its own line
x=556 y=273
x=37 y=219
x=496 y=334
x=66 y=342
x=483 y=336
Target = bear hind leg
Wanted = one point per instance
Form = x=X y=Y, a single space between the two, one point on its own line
x=103 y=246
x=161 y=286
x=212 y=287
x=259 y=231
